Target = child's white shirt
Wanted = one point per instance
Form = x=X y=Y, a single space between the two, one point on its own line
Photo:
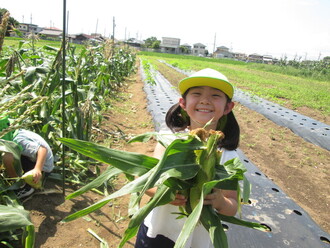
x=31 y=142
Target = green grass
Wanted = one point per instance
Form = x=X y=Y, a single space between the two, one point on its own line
x=287 y=90
x=13 y=42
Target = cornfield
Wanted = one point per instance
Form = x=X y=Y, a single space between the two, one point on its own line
x=31 y=96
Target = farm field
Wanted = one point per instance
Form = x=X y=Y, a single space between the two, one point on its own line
x=122 y=107
x=274 y=149
x=299 y=93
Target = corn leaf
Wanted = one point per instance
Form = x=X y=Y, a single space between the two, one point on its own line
x=13 y=148
x=213 y=225
x=163 y=196
x=210 y=221
x=195 y=216
x=163 y=138
x=190 y=224
x=246 y=190
x=183 y=153
x=237 y=221
x=233 y=166
x=145 y=137
x=133 y=206
x=171 y=170
x=12 y=218
x=29 y=236
x=131 y=163
x=105 y=176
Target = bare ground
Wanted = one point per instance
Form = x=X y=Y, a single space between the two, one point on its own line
x=298 y=167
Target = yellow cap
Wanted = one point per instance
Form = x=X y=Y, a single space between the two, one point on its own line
x=207 y=77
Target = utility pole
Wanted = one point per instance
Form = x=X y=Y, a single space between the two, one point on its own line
x=63 y=94
x=97 y=23
x=215 y=37
x=67 y=23
x=113 y=30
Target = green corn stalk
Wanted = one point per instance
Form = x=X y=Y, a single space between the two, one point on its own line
x=207 y=159
x=190 y=164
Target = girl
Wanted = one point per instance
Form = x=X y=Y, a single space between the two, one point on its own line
x=206 y=95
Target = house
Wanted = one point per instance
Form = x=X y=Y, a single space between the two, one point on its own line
x=223 y=52
x=199 y=49
x=98 y=37
x=80 y=38
x=255 y=58
x=50 y=33
x=170 y=45
x=26 y=29
x=240 y=56
x=267 y=59
x=134 y=42
x=185 y=48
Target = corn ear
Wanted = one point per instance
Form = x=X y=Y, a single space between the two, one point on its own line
x=207 y=159
x=28 y=178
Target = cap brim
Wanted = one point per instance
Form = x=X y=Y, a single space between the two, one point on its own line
x=216 y=83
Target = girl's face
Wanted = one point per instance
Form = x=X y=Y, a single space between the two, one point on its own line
x=203 y=104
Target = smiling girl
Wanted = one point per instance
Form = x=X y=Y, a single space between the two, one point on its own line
x=206 y=96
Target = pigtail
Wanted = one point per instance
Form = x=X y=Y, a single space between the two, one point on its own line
x=177 y=119
x=231 y=132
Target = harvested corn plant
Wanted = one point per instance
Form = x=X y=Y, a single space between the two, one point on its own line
x=189 y=164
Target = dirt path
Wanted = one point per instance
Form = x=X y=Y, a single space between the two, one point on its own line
x=298 y=167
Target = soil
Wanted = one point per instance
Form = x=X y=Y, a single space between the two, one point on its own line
x=299 y=168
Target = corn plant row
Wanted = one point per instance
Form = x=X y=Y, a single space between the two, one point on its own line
x=90 y=79
x=31 y=95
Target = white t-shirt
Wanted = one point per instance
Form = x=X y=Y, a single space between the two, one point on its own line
x=161 y=220
x=31 y=142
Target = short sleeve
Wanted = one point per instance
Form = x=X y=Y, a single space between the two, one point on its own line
x=30 y=148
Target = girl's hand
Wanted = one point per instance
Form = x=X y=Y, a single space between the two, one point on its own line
x=180 y=200
x=37 y=174
x=216 y=199
x=224 y=201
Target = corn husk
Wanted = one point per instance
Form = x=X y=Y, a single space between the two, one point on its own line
x=207 y=159
x=28 y=178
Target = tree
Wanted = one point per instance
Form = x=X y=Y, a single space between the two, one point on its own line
x=152 y=42
x=184 y=49
x=326 y=58
x=12 y=23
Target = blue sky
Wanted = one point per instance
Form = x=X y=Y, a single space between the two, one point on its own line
x=278 y=27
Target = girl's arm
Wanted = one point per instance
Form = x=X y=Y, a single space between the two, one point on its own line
x=41 y=158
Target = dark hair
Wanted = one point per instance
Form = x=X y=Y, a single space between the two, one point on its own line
x=177 y=121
